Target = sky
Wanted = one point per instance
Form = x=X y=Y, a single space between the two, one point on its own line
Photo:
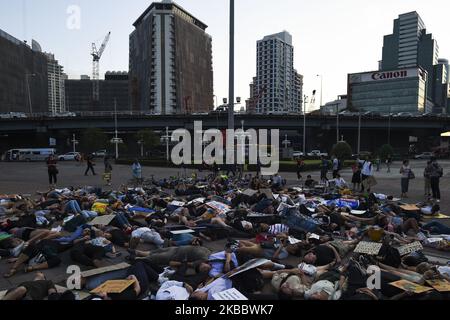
x=331 y=37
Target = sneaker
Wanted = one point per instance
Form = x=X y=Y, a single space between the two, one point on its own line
x=17 y=250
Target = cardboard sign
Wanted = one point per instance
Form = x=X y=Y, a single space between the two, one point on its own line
x=229 y=295
x=410 y=248
x=182 y=231
x=410 y=207
x=250 y=192
x=370 y=248
x=293 y=240
x=219 y=207
x=94 y=272
x=406 y=285
x=252 y=264
x=358 y=212
x=440 y=285
x=197 y=201
x=177 y=204
x=113 y=286
x=102 y=221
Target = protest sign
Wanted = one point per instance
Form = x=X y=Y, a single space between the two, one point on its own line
x=410 y=248
x=229 y=295
x=440 y=285
x=113 y=286
x=370 y=248
x=406 y=285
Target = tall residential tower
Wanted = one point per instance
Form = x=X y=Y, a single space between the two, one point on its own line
x=170 y=62
x=277 y=87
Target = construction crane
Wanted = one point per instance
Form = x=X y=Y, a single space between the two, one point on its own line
x=96 y=55
x=254 y=101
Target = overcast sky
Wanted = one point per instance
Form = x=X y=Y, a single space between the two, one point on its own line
x=330 y=37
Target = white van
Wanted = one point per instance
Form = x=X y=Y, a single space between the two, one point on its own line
x=29 y=155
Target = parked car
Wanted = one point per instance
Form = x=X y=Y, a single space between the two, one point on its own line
x=100 y=153
x=317 y=153
x=405 y=115
x=65 y=115
x=297 y=154
x=424 y=156
x=71 y=156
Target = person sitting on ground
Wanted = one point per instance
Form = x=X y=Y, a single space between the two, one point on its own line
x=309 y=182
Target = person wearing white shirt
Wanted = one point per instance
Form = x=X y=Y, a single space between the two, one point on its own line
x=340 y=182
x=173 y=291
x=148 y=235
x=207 y=292
x=366 y=173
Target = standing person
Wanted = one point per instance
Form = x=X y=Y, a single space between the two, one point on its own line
x=366 y=174
x=90 y=165
x=108 y=170
x=324 y=169
x=300 y=165
x=378 y=163
x=389 y=163
x=426 y=175
x=436 y=173
x=407 y=174
x=356 y=178
x=335 y=167
x=52 y=171
x=137 y=170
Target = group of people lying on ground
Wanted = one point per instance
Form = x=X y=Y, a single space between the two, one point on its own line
x=303 y=238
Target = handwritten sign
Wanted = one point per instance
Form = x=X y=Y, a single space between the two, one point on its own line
x=406 y=285
x=410 y=248
x=440 y=285
x=252 y=264
x=177 y=203
x=229 y=295
x=113 y=286
x=370 y=248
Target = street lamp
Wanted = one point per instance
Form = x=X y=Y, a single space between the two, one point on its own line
x=74 y=142
x=359 y=133
x=305 y=101
x=337 y=122
x=321 y=90
x=28 y=89
x=231 y=70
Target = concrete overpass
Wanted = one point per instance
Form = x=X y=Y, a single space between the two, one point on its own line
x=321 y=130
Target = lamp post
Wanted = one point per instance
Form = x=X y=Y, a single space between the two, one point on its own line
x=141 y=144
x=28 y=90
x=74 y=143
x=116 y=138
x=337 y=122
x=305 y=99
x=389 y=127
x=231 y=70
x=359 y=132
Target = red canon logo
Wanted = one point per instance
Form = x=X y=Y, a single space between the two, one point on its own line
x=389 y=75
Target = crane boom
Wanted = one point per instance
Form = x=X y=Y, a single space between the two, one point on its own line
x=102 y=48
x=96 y=55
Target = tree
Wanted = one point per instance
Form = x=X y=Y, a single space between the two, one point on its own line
x=93 y=139
x=148 y=138
x=385 y=151
x=342 y=151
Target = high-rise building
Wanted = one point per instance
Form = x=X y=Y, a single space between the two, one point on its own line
x=56 y=88
x=277 y=85
x=410 y=46
x=23 y=77
x=170 y=62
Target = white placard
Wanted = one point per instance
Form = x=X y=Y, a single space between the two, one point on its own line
x=229 y=295
x=410 y=248
x=371 y=248
x=182 y=231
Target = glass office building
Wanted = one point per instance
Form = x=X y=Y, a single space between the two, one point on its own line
x=393 y=91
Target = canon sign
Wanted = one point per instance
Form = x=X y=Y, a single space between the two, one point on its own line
x=390 y=75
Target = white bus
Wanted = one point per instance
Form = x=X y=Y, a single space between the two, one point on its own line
x=29 y=155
